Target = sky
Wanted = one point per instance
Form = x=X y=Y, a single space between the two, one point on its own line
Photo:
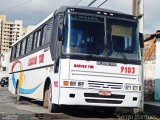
x=34 y=11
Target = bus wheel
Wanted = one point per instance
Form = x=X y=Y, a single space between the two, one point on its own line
x=45 y=99
x=18 y=97
x=51 y=107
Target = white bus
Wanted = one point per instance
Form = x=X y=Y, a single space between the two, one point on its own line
x=80 y=56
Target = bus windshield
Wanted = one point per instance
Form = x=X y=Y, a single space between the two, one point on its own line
x=122 y=39
x=86 y=35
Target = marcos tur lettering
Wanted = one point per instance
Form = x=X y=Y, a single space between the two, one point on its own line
x=34 y=60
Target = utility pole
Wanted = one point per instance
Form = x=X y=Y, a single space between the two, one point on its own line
x=1 y=55
x=138 y=10
x=1 y=36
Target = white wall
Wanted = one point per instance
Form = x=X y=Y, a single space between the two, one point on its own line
x=5 y=63
x=149 y=70
x=157 y=68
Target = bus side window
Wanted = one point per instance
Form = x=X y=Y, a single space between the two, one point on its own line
x=11 y=57
x=31 y=37
x=15 y=49
x=42 y=36
x=38 y=38
x=23 y=46
x=46 y=33
x=29 y=43
x=44 y=30
x=13 y=52
x=35 y=40
x=18 y=50
x=26 y=45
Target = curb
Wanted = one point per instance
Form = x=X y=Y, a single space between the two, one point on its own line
x=152 y=108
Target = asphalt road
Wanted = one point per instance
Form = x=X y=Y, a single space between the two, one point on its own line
x=29 y=109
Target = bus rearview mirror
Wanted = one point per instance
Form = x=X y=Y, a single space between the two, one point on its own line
x=141 y=40
x=60 y=32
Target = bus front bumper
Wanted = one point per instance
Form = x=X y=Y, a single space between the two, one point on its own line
x=88 y=97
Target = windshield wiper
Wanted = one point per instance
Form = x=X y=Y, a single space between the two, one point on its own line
x=89 y=57
x=124 y=57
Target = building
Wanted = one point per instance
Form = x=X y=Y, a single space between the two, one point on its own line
x=4 y=64
x=10 y=31
x=28 y=29
x=150 y=56
x=152 y=67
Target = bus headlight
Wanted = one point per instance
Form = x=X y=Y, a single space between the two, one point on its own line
x=128 y=87
x=132 y=87
x=80 y=84
x=135 y=88
x=72 y=83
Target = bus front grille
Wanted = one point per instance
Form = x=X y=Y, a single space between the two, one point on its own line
x=105 y=85
x=103 y=101
x=96 y=95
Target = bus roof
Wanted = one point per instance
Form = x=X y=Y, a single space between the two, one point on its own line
x=38 y=25
x=85 y=9
x=64 y=8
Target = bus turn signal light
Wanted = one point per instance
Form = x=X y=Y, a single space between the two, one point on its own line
x=66 y=83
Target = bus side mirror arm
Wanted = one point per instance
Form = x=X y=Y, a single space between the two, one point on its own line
x=57 y=56
x=141 y=40
x=60 y=33
x=60 y=26
x=56 y=65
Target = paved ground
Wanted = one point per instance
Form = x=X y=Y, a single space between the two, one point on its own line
x=32 y=110
x=28 y=109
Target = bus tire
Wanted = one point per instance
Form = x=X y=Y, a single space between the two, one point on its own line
x=52 y=107
x=18 y=97
x=47 y=101
x=45 y=98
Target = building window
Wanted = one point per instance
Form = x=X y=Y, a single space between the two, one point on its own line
x=4 y=68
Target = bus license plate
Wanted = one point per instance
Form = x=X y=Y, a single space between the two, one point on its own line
x=105 y=93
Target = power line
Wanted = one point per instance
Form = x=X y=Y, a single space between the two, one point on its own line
x=77 y=2
x=102 y=3
x=15 y=6
x=91 y=3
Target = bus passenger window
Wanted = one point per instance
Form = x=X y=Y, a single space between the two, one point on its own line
x=23 y=47
x=18 y=50
x=35 y=40
x=41 y=39
x=29 y=43
x=38 y=38
x=13 y=52
x=46 y=33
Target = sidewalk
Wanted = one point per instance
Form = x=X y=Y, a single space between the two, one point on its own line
x=152 y=107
